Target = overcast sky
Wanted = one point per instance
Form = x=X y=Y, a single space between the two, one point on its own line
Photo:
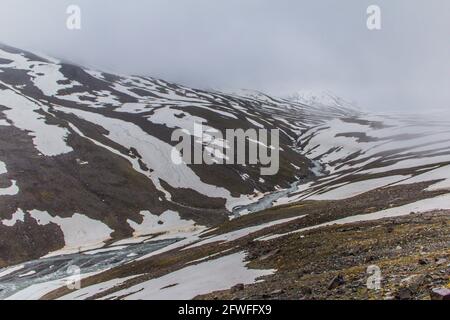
x=277 y=46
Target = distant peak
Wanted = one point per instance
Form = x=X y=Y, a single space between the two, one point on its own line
x=318 y=98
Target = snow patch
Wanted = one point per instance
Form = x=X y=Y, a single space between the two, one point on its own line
x=353 y=189
x=437 y=203
x=80 y=232
x=19 y=215
x=169 y=222
x=189 y=282
x=10 y=191
x=50 y=140
x=85 y=293
x=237 y=234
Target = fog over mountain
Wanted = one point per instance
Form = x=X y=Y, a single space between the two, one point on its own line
x=274 y=46
x=89 y=178
x=233 y=150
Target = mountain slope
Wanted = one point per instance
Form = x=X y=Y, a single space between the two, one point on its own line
x=87 y=179
x=81 y=143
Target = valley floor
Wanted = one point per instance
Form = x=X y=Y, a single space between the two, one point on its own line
x=297 y=258
x=90 y=182
x=411 y=252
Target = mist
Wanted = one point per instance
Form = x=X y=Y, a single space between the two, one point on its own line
x=279 y=47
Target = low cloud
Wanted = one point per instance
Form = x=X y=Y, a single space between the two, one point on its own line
x=275 y=46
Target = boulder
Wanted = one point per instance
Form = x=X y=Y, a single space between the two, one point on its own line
x=440 y=294
x=336 y=282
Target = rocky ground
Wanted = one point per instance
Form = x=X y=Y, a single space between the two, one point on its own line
x=86 y=161
x=411 y=252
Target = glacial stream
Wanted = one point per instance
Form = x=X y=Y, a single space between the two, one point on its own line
x=17 y=278
x=265 y=202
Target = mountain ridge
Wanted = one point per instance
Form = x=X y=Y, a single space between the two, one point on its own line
x=86 y=174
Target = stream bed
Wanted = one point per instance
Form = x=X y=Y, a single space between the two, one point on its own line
x=17 y=278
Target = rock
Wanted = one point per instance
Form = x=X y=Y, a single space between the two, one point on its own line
x=398 y=248
x=404 y=294
x=440 y=294
x=238 y=287
x=435 y=277
x=340 y=291
x=306 y=290
x=301 y=273
x=423 y=261
x=276 y=292
x=413 y=282
x=269 y=254
x=351 y=253
x=441 y=261
x=336 y=282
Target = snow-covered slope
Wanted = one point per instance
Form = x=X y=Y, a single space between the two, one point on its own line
x=359 y=154
x=86 y=170
x=87 y=152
